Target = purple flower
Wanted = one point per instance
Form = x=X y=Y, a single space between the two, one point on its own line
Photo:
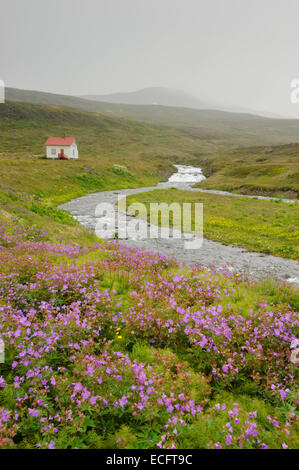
x=93 y=400
x=33 y=412
x=123 y=401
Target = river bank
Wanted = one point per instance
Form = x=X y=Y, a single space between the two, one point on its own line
x=247 y=263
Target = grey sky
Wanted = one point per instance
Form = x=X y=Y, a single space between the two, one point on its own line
x=239 y=52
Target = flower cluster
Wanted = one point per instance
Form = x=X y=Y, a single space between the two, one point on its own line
x=131 y=349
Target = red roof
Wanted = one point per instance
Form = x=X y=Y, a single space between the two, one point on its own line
x=60 y=141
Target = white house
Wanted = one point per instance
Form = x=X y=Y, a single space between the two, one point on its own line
x=63 y=148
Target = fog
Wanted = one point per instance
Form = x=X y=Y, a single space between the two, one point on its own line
x=241 y=53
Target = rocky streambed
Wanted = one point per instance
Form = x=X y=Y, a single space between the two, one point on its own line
x=251 y=264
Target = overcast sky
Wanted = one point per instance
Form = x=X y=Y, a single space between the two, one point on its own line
x=238 y=52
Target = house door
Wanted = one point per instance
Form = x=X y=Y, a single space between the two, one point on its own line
x=61 y=154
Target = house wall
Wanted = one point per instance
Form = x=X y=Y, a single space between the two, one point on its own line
x=74 y=150
x=70 y=151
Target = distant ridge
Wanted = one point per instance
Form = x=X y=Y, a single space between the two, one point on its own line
x=227 y=128
x=175 y=98
x=152 y=96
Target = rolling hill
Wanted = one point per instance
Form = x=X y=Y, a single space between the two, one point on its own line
x=176 y=98
x=144 y=153
x=147 y=153
x=266 y=170
x=222 y=129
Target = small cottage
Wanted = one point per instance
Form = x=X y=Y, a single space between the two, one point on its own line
x=62 y=148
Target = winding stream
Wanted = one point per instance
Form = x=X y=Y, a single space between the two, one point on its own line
x=252 y=264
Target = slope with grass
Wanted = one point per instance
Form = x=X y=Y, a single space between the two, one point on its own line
x=113 y=152
x=219 y=128
x=271 y=170
x=200 y=137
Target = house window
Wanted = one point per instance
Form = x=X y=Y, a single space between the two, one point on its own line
x=74 y=152
x=53 y=151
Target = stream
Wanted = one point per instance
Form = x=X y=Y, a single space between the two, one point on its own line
x=251 y=264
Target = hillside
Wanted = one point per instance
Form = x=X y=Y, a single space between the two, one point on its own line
x=268 y=170
x=221 y=128
x=145 y=152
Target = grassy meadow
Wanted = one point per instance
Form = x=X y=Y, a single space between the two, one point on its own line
x=265 y=226
x=115 y=348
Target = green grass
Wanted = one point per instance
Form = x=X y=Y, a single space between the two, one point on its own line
x=117 y=153
x=272 y=171
x=42 y=215
x=218 y=129
x=130 y=154
x=114 y=153
x=177 y=367
x=147 y=152
x=264 y=226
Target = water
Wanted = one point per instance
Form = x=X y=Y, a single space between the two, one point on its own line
x=254 y=265
x=187 y=174
x=185 y=177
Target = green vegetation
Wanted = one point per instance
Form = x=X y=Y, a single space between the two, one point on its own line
x=108 y=347
x=272 y=171
x=114 y=153
x=266 y=226
x=217 y=141
x=217 y=128
x=36 y=214
x=130 y=350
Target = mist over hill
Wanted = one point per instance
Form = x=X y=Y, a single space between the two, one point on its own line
x=225 y=128
x=152 y=96
x=162 y=96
